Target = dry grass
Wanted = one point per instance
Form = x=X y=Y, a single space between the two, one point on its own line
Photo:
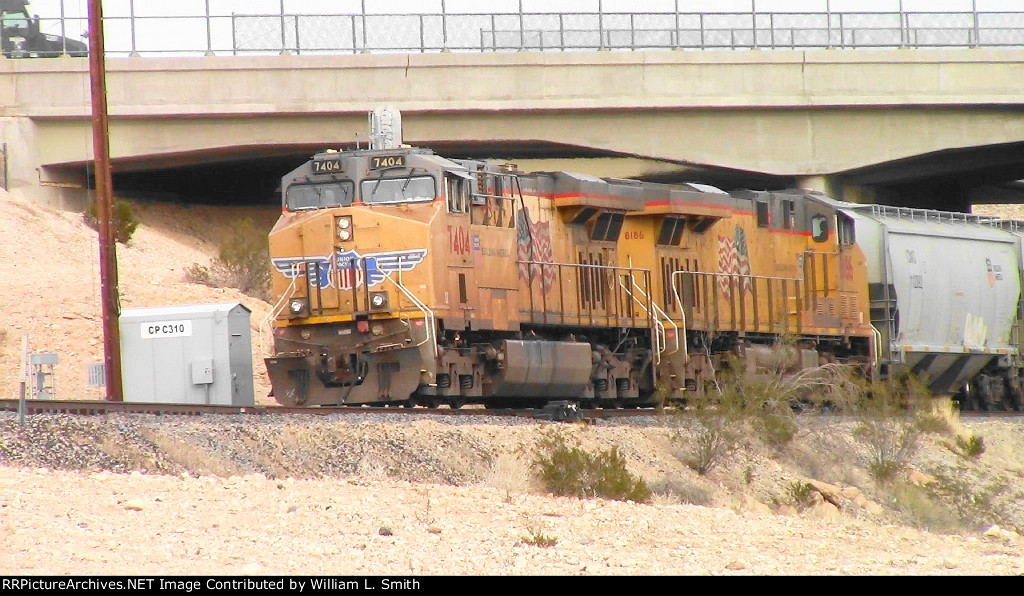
x=190 y=457
x=509 y=472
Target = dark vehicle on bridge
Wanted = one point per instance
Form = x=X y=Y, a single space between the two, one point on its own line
x=21 y=36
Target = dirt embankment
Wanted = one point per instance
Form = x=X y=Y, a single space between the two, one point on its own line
x=366 y=494
x=50 y=275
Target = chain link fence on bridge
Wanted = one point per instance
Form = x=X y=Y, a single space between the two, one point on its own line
x=246 y=34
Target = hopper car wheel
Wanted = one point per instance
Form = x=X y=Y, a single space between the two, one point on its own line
x=432 y=401
x=456 y=402
x=1011 y=395
x=408 y=403
x=610 y=404
x=980 y=398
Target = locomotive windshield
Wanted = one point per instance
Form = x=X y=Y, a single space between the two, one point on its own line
x=313 y=196
x=398 y=190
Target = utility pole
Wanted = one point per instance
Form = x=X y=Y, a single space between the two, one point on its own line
x=104 y=211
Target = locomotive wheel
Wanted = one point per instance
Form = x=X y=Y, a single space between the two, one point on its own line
x=610 y=404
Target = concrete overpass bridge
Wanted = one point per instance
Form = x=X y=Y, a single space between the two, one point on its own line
x=937 y=128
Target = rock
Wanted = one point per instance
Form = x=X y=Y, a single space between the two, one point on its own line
x=851 y=492
x=873 y=508
x=758 y=507
x=995 y=532
x=253 y=569
x=920 y=478
x=828 y=492
x=135 y=505
x=828 y=511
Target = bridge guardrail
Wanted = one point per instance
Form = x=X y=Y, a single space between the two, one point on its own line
x=262 y=34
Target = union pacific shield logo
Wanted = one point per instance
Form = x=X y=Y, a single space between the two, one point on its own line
x=347 y=269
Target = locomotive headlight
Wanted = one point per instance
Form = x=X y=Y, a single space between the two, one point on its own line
x=344 y=225
x=297 y=306
x=379 y=300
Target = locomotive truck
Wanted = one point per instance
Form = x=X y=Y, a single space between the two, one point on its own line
x=403 y=277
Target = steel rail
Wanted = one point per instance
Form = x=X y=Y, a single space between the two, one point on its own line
x=101 y=407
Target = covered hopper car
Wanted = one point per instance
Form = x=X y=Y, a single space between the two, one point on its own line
x=407 y=278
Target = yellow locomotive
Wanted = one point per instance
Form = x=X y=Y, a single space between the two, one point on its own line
x=404 y=277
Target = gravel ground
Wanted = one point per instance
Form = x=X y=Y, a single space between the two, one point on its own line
x=400 y=495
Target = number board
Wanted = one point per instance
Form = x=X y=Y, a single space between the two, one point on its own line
x=326 y=166
x=387 y=161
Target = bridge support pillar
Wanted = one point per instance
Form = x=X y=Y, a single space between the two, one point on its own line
x=837 y=188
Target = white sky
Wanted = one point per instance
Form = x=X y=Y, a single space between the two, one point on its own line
x=171 y=34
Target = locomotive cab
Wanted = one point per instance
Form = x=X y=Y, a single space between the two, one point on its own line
x=353 y=273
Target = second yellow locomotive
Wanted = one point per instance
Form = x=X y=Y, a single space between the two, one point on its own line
x=404 y=277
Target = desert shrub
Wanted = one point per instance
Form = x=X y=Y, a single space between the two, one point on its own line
x=539 y=538
x=889 y=424
x=124 y=220
x=568 y=470
x=769 y=396
x=936 y=415
x=975 y=501
x=800 y=493
x=777 y=425
x=712 y=443
x=928 y=422
x=243 y=262
x=891 y=443
x=922 y=510
x=971 y=446
x=686 y=491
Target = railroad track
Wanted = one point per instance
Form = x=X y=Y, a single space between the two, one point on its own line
x=100 y=407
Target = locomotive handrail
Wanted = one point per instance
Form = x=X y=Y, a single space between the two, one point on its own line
x=914 y=213
x=276 y=309
x=682 y=311
x=659 y=329
x=877 y=337
x=419 y=304
x=659 y=312
x=711 y=279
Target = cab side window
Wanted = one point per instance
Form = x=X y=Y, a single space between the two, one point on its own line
x=819 y=228
x=457 y=194
x=845 y=230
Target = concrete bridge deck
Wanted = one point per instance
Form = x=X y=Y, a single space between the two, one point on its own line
x=820 y=117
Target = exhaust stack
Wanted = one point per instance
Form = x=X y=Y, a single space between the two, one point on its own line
x=385 y=128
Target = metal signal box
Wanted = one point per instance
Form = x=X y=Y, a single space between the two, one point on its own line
x=193 y=354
